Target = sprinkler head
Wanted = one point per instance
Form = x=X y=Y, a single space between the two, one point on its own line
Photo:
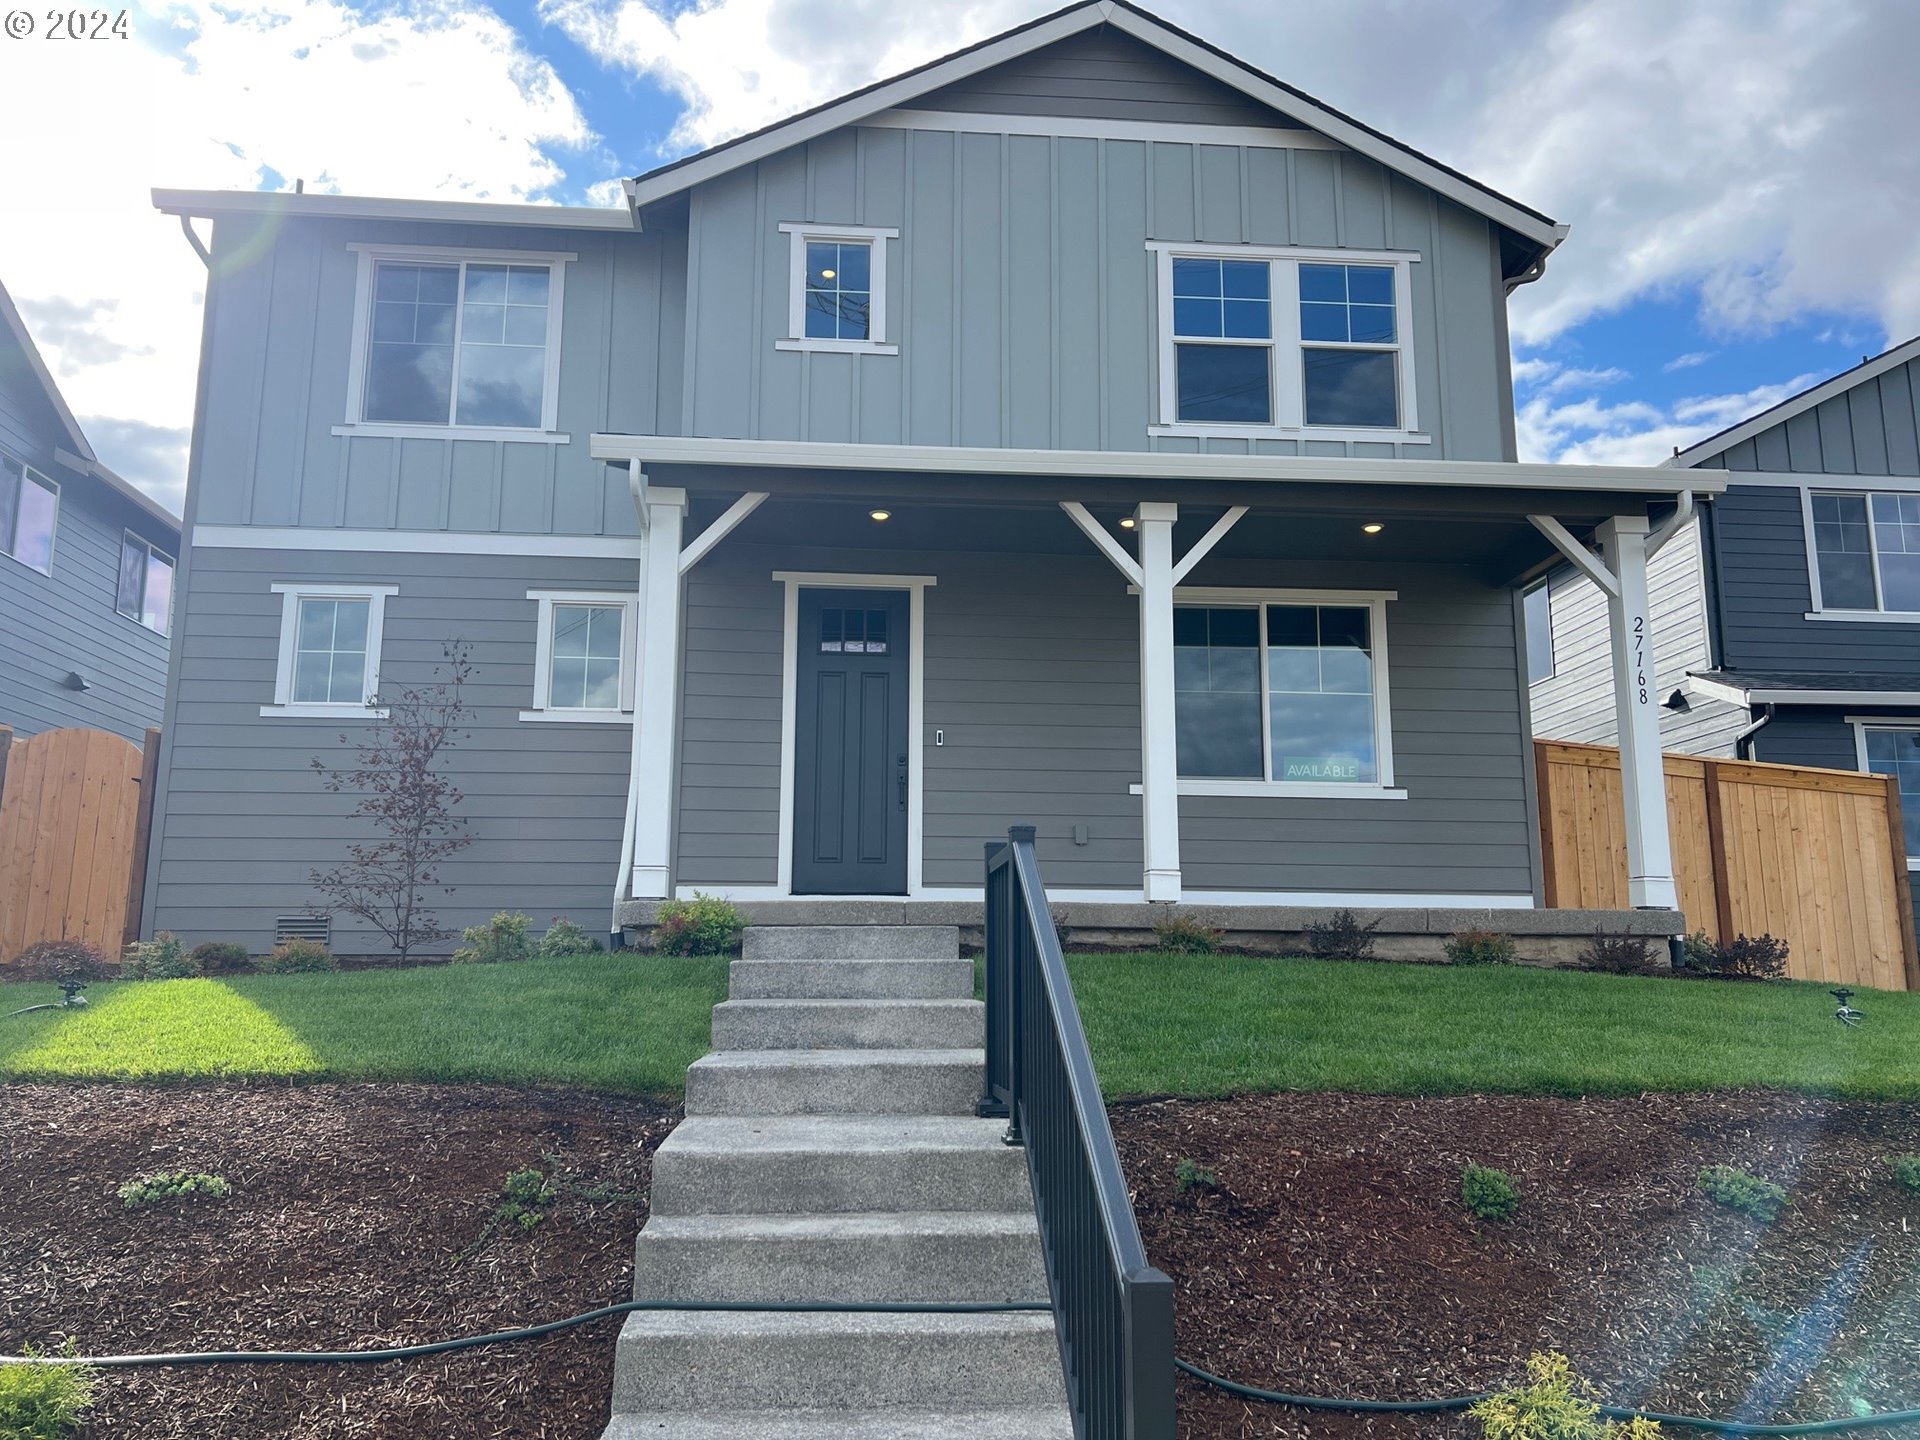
x=71 y=998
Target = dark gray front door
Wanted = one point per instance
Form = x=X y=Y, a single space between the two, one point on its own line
x=850 y=744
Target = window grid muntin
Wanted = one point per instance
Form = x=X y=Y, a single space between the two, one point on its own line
x=459 y=265
x=588 y=657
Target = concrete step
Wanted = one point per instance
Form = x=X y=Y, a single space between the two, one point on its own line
x=836 y=1082
x=850 y=942
x=1052 y=1423
x=894 y=1256
x=852 y=979
x=768 y=1165
x=849 y=1025
x=686 y=1361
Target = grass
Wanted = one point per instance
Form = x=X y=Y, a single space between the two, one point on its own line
x=1223 y=1025
x=619 y=1022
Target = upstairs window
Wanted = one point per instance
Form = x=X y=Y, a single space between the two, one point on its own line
x=1283 y=341
x=837 y=289
x=146 y=584
x=459 y=342
x=29 y=510
x=1867 y=551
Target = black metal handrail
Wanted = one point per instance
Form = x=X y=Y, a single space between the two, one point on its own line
x=1113 y=1311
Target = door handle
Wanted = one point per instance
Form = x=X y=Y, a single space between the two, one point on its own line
x=901 y=779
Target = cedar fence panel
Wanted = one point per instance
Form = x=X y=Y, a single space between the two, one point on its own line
x=1816 y=857
x=74 y=808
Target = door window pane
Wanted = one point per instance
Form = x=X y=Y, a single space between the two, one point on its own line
x=1351 y=387
x=839 y=289
x=330 y=655
x=503 y=346
x=410 y=353
x=585 y=672
x=1216 y=659
x=1897 y=753
x=1320 y=700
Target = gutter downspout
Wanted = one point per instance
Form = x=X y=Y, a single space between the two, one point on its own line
x=1743 y=742
x=623 y=882
x=193 y=239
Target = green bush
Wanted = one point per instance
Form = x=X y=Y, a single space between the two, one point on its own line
x=1191 y=1175
x=1490 y=1194
x=1906 y=1171
x=564 y=940
x=1342 y=937
x=1480 y=947
x=221 y=957
x=704 y=925
x=1178 y=934
x=298 y=957
x=1745 y=957
x=173 y=1185
x=43 y=1401
x=1554 y=1404
x=1734 y=1189
x=164 y=957
x=58 y=962
x=502 y=940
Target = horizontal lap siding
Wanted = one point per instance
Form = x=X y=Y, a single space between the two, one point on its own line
x=246 y=819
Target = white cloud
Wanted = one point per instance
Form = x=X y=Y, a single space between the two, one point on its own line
x=1688 y=361
x=1589 y=431
x=440 y=99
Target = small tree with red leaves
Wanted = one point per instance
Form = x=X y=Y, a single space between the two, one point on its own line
x=407 y=795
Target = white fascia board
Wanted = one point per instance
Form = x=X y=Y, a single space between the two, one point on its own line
x=1717 y=690
x=1143 y=464
x=1073 y=127
x=415 y=542
x=1788 y=480
x=367 y=207
x=1834 y=697
x=1798 y=405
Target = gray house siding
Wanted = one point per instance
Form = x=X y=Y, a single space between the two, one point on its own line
x=244 y=818
x=1873 y=428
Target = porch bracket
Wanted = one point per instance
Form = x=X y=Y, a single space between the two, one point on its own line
x=698 y=547
x=1108 y=546
x=1207 y=541
x=1583 y=559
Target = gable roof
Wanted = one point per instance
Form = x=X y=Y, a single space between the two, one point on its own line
x=1793 y=405
x=1539 y=233
x=12 y=324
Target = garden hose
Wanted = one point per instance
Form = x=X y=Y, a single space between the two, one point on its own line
x=882 y=1307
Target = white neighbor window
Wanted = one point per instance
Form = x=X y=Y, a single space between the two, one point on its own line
x=1284 y=341
x=329 y=664
x=1892 y=747
x=1864 y=552
x=456 y=343
x=837 y=289
x=1282 y=692
x=583 y=656
x=145 y=591
x=29 y=511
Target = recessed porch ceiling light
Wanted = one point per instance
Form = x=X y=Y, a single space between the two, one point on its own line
x=1372 y=528
x=880 y=514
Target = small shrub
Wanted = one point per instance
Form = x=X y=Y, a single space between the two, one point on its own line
x=704 y=925
x=43 y=1401
x=1906 y=1171
x=173 y=1185
x=1744 y=957
x=501 y=940
x=1191 y=1175
x=1732 y=1188
x=1341 y=938
x=222 y=957
x=528 y=1198
x=62 y=962
x=1490 y=1194
x=164 y=957
x=1696 y=952
x=1618 y=954
x=298 y=957
x=1480 y=947
x=1178 y=934
x=564 y=940
x=1554 y=1404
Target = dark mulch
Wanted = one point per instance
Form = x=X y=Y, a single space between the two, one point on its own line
x=1336 y=1258
x=351 y=1206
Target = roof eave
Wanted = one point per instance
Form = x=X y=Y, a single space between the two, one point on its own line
x=37 y=366
x=215 y=203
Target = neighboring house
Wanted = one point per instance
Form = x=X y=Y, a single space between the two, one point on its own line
x=86 y=566
x=1084 y=429
x=1789 y=630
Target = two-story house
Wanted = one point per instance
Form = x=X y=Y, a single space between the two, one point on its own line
x=1086 y=429
x=1788 y=626
x=86 y=566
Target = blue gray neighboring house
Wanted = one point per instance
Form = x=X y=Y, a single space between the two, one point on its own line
x=86 y=566
x=1084 y=429
x=1789 y=623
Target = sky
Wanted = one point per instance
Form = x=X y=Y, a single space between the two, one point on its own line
x=1741 y=226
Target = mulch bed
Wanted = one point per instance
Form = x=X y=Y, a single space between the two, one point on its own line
x=351 y=1207
x=1335 y=1258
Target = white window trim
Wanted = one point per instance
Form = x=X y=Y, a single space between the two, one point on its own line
x=1376 y=603
x=1820 y=610
x=152 y=550
x=546 y=434
x=291 y=593
x=796 y=337
x=53 y=535
x=1288 y=388
x=543 y=710
x=1861 y=725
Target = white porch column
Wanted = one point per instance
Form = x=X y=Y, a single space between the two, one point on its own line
x=1643 y=786
x=656 y=693
x=1159 y=759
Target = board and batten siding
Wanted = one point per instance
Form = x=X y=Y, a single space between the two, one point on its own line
x=1021 y=292
x=281 y=343
x=245 y=819
x=1032 y=683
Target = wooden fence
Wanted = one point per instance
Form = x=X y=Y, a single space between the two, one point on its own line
x=75 y=812
x=1815 y=857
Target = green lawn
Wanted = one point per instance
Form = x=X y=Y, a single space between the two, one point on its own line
x=612 y=1022
x=1221 y=1025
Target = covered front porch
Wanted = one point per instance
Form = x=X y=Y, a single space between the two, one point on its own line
x=1211 y=679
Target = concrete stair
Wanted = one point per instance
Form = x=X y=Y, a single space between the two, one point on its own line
x=830 y=1153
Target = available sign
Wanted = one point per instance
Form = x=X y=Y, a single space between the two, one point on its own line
x=1324 y=767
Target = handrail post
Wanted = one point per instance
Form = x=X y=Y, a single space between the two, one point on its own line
x=1016 y=903
x=993 y=931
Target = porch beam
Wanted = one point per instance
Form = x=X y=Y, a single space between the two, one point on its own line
x=1108 y=546
x=1624 y=542
x=647 y=867
x=697 y=549
x=1583 y=559
x=1159 y=755
x=1207 y=541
